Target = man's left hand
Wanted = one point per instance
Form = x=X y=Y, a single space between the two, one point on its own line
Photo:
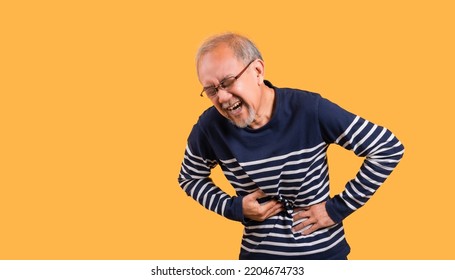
x=315 y=216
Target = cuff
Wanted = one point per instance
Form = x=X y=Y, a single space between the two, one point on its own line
x=234 y=210
x=337 y=209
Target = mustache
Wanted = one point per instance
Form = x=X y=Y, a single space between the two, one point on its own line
x=231 y=102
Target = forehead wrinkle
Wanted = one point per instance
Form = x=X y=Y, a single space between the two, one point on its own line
x=220 y=80
x=216 y=63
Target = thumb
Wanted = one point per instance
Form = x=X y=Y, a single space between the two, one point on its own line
x=257 y=194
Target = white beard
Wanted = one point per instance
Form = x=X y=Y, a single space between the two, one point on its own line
x=247 y=121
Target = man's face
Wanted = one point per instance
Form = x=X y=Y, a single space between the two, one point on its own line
x=239 y=102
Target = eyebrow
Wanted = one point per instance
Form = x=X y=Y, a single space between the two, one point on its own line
x=221 y=81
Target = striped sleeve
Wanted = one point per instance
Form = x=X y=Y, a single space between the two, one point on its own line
x=194 y=179
x=378 y=145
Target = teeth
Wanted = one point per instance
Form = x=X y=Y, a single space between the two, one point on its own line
x=235 y=106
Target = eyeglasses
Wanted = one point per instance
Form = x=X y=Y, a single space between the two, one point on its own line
x=212 y=91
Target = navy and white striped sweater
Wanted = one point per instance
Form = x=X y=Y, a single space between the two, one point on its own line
x=287 y=159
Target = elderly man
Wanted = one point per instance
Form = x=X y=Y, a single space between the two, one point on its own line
x=271 y=144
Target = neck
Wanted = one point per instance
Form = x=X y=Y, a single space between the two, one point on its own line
x=265 y=112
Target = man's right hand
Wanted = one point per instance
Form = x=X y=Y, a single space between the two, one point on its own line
x=259 y=212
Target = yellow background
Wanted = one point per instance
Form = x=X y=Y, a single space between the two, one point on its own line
x=97 y=99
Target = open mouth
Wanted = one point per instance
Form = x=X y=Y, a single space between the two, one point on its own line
x=235 y=106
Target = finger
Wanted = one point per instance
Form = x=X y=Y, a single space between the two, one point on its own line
x=303 y=225
x=301 y=215
x=268 y=209
x=300 y=228
x=270 y=206
x=312 y=228
x=257 y=194
x=277 y=208
x=300 y=209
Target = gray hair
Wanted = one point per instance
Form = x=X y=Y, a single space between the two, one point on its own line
x=244 y=49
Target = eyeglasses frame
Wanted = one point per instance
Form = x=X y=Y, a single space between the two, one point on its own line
x=221 y=83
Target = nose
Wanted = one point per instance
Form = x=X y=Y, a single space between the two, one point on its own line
x=223 y=95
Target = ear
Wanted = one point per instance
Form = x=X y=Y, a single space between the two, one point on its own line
x=259 y=70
